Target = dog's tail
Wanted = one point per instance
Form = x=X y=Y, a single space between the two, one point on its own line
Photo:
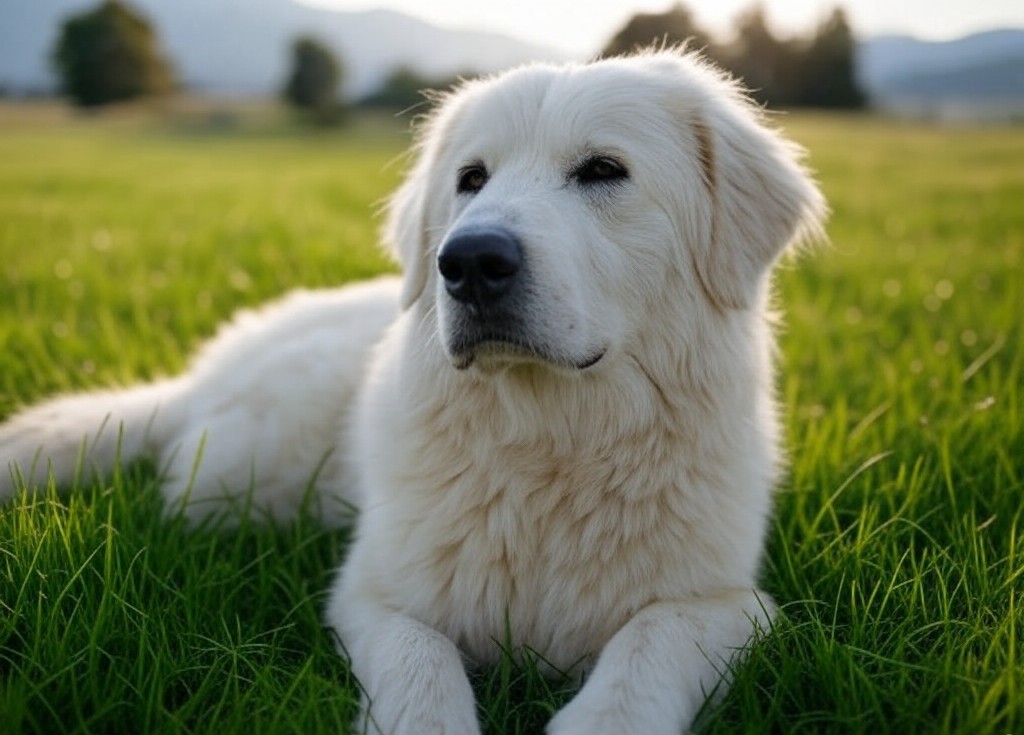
x=72 y=437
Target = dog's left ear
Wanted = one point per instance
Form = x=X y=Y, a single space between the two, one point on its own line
x=762 y=197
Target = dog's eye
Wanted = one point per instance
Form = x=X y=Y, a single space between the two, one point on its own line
x=472 y=178
x=600 y=169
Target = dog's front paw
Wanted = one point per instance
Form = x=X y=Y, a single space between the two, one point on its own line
x=404 y=718
x=431 y=697
x=594 y=715
x=592 y=718
x=422 y=705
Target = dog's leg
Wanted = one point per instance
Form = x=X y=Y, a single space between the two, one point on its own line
x=255 y=422
x=85 y=433
x=413 y=678
x=656 y=672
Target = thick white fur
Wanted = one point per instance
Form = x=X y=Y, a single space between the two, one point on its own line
x=610 y=517
x=254 y=422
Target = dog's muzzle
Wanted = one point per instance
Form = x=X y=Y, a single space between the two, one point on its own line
x=490 y=307
x=480 y=266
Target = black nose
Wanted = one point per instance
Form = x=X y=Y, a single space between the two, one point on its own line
x=480 y=266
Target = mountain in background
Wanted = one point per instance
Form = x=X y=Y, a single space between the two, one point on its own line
x=978 y=75
x=241 y=47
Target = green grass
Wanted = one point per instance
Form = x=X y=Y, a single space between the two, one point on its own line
x=898 y=546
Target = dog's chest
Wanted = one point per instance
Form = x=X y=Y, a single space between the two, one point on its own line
x=553 y=555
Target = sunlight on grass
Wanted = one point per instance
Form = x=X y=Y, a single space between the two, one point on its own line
x=897 y=552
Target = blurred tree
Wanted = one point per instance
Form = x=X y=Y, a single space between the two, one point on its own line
x=816 y=71
x=314 y=84
x=108 y=54
x=404 y=88
x=827 y=66
x=401 y=89
x=675 y=26
x=766 y=64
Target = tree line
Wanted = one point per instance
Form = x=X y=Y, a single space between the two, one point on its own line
x=112 y=53
x=817 y=70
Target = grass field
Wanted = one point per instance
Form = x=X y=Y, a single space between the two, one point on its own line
x=897 y=550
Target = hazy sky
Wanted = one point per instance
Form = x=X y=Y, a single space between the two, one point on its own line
x=581 y=26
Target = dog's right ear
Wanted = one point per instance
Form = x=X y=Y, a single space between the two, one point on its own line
x=405 y=231
x=415 y=212
x=410 y=223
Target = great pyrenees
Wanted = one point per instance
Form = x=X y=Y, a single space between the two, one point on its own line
x=558 y=425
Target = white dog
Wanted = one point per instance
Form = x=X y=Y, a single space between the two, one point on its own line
x=558 y=426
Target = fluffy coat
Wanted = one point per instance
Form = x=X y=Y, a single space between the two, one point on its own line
x=585 y=468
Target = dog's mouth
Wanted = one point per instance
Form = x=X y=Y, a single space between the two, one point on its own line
x=499 y=337
x=501 y=349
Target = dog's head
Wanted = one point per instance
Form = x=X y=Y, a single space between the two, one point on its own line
x=550 y=208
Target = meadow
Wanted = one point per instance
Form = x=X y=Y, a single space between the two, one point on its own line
x=897 y=550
